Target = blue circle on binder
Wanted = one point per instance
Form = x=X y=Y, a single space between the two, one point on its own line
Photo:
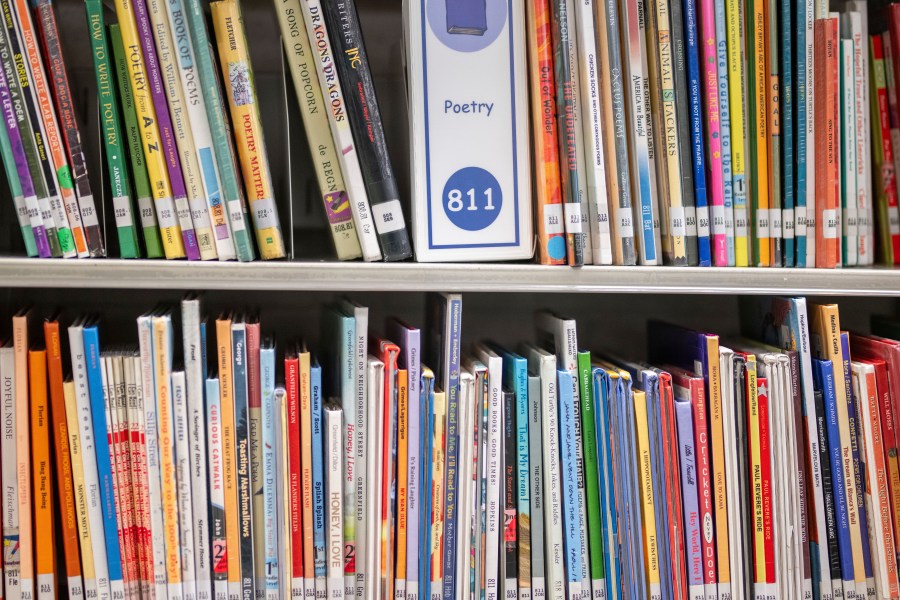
x=466 y=25
x=472 y=199
x=556 y=247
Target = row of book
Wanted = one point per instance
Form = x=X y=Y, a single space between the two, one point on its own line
x=185 y=157
x=756 y=467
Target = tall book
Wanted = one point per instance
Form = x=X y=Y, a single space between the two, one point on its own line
x=757 y=116
x=329 y=175
x=725 y=128
x=241 y=373
x=365 y=120
x=333 y=452
x=775 y=96
x=44 y=533
x=849 y=218
x=887 y=211
x=827 y=152
x=863 y=137
x=786 y=92
x=802 y=51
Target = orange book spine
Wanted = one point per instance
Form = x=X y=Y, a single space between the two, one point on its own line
x=827 y=159
x=64 y=486
x=23 y=455
x=226 y=393
x=717 y=445
x=44 y=539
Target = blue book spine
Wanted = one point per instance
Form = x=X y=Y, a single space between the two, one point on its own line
x=690 y=506
x=427 y=417
x=786 y=95
x=104 y=466
x=697 y=151
x=315 y=387
x=800 y=141
x=725 y=126
x=270 y=500
x=630 y=454
x=571 y=496
x=452 y=349
x=826 y=374
x=605 y=469
x=520 y=373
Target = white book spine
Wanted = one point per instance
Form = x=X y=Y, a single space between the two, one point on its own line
x=270 y=473
x=494 y=511
x=810 y=147
x=183 y=479
x=589 y=102
x=860 y=97
x=553 y=525
x=340 y=130
x=89 y=462
x=464 y=497
x=157 y=546
x=373 y=523
x=193 y=356
x=334 y=476
x=848 y=142
x=363 y=498
x=10 y=498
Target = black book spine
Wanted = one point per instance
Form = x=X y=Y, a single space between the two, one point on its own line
x=834 y=558
x=368 y=132
x=510 y=464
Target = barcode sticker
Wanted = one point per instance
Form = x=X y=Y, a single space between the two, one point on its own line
x=690 y=220
x=122 y=210
x=740 y=222
x=788 y=223
x=829 y=224
x=165 y=212
x=894 y=220
x=388 y=216
x=236 y=215
x=573 y=217
x=88 y=213
x=800 y=221
x=703 y=221
x=625 y=222
x=775 y=222
x=676 y=222
x=553 y=219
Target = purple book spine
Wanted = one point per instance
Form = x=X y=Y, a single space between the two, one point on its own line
x=165 y=130
x=18 y=150
x=685 y=421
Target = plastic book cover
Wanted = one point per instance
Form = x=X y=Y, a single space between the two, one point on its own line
x=591 y=469
x=44 y=538
x=93 y=237
x=224 y=358
x=571 y=499
x=218 y=552
x=402 y=482
x=604 y=384
x=332 y=451
x=775 y=96
x=320 y=509
x=757 y=116
x=292 y=399
x=312 y=577
x=687 y=461
x=255 y=432
x=768 y=481
x=244 y=508
x=827 y=154
x=725 y=130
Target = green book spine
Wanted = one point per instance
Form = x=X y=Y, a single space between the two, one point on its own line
x=215 y=111
x=149 y=224
x=15 y=188
x=591 y=479
x=112 y=133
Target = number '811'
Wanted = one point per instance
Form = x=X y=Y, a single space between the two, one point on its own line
x=472 y=199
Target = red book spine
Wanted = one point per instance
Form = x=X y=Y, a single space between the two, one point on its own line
x=765 y=460
x=704 y=484
x=827 y=157
x=389 y=353
x=292 y=390
x=887 y=177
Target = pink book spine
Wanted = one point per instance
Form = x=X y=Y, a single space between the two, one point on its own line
x=716 y=185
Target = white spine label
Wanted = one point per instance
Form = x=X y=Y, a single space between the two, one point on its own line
x=851 y=222
x=236 y=214
x=718 y=218
x=625 y=222
x=166 y=213
x=88 y=212
x=800 y=221
x=676 y=222
x=553 y=219
x=788 y=223
x=829 y=224
x=122 y=210
x=775 y=222
x=264 y=214
x=690 y=220
x=703 y=221
x=894 y=220
x=740 y=222
x=148 y=215
x=762 y=224
x=388 y=216
x=573 y=217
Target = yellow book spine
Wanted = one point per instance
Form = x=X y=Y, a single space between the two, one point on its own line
x=44 y=538
x=81 y=510
x=306 y=467
x=736 y=97
x=248 y=132
x=437 y=502
x=759 y=543
x=165 y=427
x=648 y=511
x=760 y=183
x=717 y=439
x=226 y=392
x=154 y=158
x=23 y=455
x=402 y=475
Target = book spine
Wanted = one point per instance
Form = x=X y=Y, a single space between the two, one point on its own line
x=237 y=74
x=412 y=362
x=802 y=114
x=494 y=458
x=452 y=496
x=201 y=135
x=571 y=499
x=808 y=25
x=523 y=487
x=184 y=147
x=32 y=135
x=439 y=463
x=402 y=484
x=725 y=129
x=149 y=224
x=10 y=497
x=44 y=538
x=888 y=214
x=609 y=523
x=826 y=70
x=768 y=481
x=232 y=195
x=138 y=457
x=667 y=450
x=651 y=205
x=849 y=219
x=229 y=467
x=104 y=465
x=114 y=389
x=321 y=511
x=329 y=174
x=255 y=452
x=86 y=215
x=292 y=397
x=710 y=94
x=242 y=473
x=119 y=180
x=349 y=387
x=218 y=547
x=167 y=132
x=131 y=461
x=183 y=484
x=592 y=132
x=651 y=541
x=333 y=450
x=863 y=148
x=285 y=553
x=687 y=455
x=758 y=76
x=62 y=460
x=548 y=190
x=697 y=150
x=365 y=121
x=144 y=101
x=832 y=552
x=269 y=468
x=552 y=481
x=311 y=527
x=704 y=486
x=44 y=119
x=535 y=478
x=786 y=93
x=774 y=109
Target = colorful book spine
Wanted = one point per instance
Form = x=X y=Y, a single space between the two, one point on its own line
x=149 y=224
x=571 y=500
x=439 y=462
x=827 y=155
x=592 y=468
x=687 y=459
x=365 y=121
x=333 y=440
x=648 y=506
x=232 y=194
x=710 y=94
x=698 y=151
x=329 y=174
x=849 y=219
x=774 y=112
x=270 y=503
x=863 y=141
x=402 y=483
x=802 y=115
x=292 y=398
x=811 y=217
x=255 y=452
x=451 y=493
x=183 y=485
x=10 y=156
x=237 y=74
x=311 y=529
x=117 y=171
x=536 y=475
x=768 y=481
x=704 y=486
x=59 y=81
x=725 y=128
x=229 y=467
x=10 y=497
x=888 y=213
x=44 y=533
x=321 y=539
x=244 y=546
x=757 y=116
x=786 y=92
x=144 y=100
x=218 y=548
